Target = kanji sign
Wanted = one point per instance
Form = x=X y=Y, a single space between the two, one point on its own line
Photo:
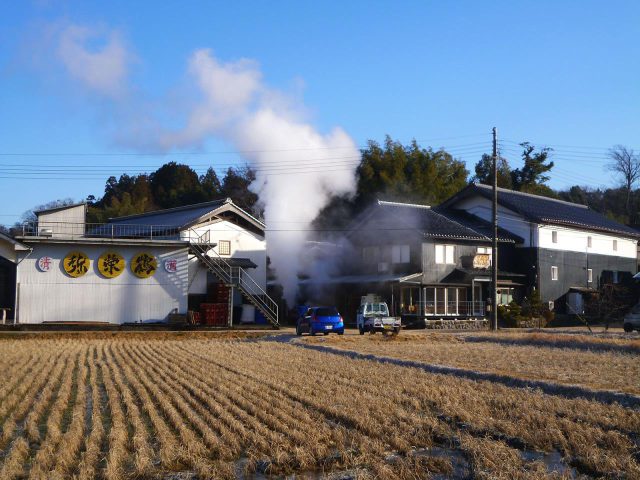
x=44 y=264
x=144 y=265
x=111 y=264
x=171 y=265
x=76 y=264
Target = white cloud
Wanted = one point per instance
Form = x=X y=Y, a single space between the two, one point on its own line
x=97 y=59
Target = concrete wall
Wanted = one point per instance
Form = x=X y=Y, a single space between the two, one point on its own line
x=56 y=297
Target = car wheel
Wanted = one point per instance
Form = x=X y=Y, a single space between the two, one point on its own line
x=341 y=332
x=396 y=331
x=361 y=329
x=326 y=333
x=628 y=327
x=312 y=333
x=298 y=331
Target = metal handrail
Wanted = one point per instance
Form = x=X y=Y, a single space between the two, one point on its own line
x=234 y=276
x=73 y=230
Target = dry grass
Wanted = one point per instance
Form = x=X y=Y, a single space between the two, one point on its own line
x=120 y=408
x=511 y=355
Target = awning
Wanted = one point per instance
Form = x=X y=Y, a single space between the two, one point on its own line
x=354 y=279
x=236 y=262
x=583 y=289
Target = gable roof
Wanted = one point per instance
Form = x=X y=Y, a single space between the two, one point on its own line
x=426 y=221
x=183 y=217
x=544 y=210
x=59 y=208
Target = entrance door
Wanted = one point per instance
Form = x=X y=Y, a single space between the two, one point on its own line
x=477 y=299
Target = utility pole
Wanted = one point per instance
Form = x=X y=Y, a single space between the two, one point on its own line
x=494 y=237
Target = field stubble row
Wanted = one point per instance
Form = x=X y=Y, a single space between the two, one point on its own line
x=116 y=409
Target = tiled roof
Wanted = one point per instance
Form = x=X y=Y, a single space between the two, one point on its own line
x=427 y=221
x=540 y=209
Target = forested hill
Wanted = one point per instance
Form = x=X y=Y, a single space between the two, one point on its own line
x=390 y=171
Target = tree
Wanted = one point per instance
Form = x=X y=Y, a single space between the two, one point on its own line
x=407 y=173
x=174 y=185
x=484 y=172
x=626 y=164
x=235 y=185
x=531 y=177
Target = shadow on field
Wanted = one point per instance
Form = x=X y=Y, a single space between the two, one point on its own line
x=570 y=343
x=550 y=388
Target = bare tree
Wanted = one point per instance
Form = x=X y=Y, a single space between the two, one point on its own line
x=626 y=164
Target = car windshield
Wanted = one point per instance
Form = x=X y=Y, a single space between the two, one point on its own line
x=327 y=312
x=378 y=308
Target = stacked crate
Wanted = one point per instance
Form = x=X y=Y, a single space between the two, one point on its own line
x=214 y=314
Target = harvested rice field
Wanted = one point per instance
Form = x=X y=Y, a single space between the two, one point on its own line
x=593 y=362
x=125 y=406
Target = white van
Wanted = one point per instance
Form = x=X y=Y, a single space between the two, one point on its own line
x=632 y=319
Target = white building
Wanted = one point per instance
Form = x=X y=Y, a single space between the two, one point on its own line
x=135 y=269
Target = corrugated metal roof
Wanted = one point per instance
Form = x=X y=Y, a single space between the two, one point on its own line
x=171 y=217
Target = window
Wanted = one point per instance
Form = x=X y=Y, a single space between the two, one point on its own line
x=400 y=254
x=615 y=276
x=554 y=236
x=224 y=247
x=590 y=275
x=554 y=273
x=484 y=250
x=505 y=296
x=615 y=245
x=445 y=254
x=589 y=242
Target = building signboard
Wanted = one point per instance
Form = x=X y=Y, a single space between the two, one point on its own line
x=76 y=264
x=111 y=264
x=171 y=265
x=44 y=264
x=144 y=265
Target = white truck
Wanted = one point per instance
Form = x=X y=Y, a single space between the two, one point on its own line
x=373 y=316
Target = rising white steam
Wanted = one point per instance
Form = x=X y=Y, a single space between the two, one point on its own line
x=298 y=168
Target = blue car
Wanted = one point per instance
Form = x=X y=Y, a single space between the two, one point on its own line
x=320 y=320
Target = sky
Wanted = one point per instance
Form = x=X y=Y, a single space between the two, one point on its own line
x=93 y=89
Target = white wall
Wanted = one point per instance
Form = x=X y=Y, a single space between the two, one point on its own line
x=55 y=296
x=573 y=240
x=66 y=222
x=507 y=219
x=244 y=244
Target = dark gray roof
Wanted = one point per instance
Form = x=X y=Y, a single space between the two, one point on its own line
x=539 y=209
x=171 y=217
x=428 y=222
x=479 y=225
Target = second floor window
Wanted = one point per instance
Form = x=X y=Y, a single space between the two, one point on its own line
x=554 y=273
x=554 y=236
x=445 y=254
x=400 y=254
x=590 y=275
x=224 y=247
x=615 y=245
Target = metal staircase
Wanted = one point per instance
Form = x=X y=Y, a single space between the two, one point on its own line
x=236 y=277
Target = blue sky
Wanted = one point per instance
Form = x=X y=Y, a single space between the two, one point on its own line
x=556 y=73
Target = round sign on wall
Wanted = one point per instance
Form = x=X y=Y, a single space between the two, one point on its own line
x=76 y=264
x=144 y=265
x=44 y=264
x=110 y=264
x=171 y=265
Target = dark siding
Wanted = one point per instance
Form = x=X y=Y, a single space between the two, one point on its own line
x=435 y=273
x=7 y=286
x=572 y=272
